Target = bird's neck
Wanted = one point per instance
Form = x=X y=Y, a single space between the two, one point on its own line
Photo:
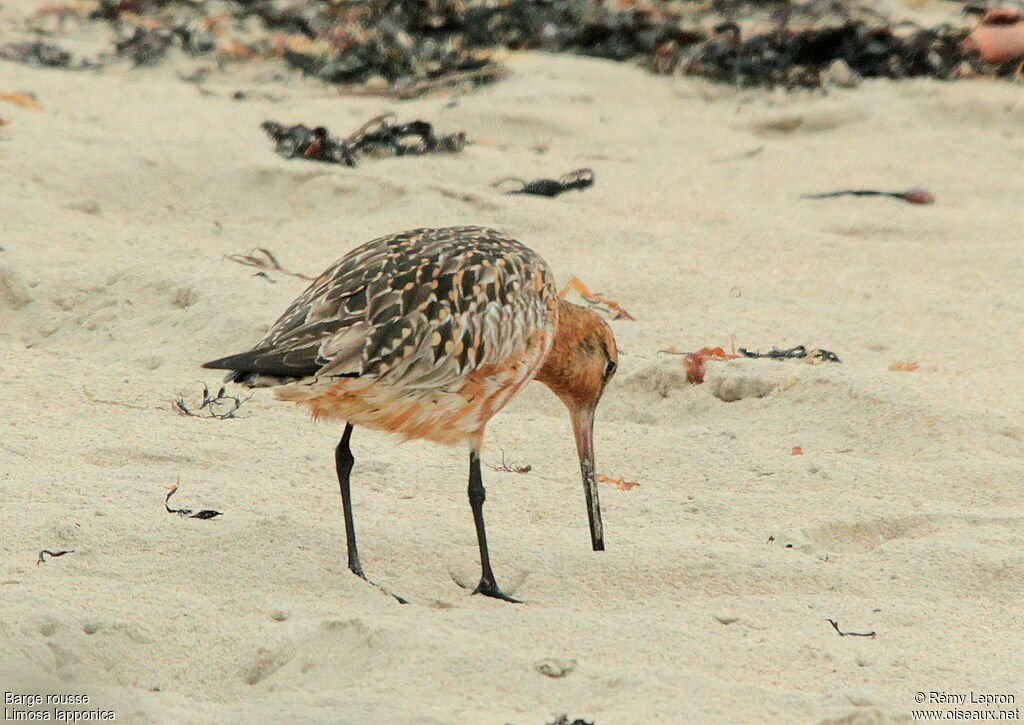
x=564 y=369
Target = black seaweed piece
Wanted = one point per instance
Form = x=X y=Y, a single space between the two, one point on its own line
x=579 y=179
x=378 y=136
x=798 y=352
x=46 y=552
x=188 y=513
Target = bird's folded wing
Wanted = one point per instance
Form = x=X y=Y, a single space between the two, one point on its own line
x=319 y=349
x=421 y=310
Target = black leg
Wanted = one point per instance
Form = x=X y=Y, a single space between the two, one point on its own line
x=477 y=495
x=344 y=460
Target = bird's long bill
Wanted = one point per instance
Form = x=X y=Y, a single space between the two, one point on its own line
x=583 y=427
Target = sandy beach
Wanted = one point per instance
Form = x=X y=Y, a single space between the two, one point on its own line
x=121 y=196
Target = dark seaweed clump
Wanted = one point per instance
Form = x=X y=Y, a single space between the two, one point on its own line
x=408 y=47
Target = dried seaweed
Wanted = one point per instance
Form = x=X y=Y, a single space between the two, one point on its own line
x=841 y=633
x=621 y=483
x=220 y=406
x=696 y=362
x=404 y=48
x=382 y=135
x=579 y=179
x=911 y=196
x=37 y=53
x=564 y=720
x=595 y=300
x=145 y=46
x=187 y=513
x=263 y=258
x=46 y=552
x=798 y=58
x=25 y=100
x=510 y=467
x=314 y=144
x=379 y=136
x=799 y=352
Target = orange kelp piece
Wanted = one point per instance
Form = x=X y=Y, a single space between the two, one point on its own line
x=695 y=362
x=621 y=483
x=576 y=284
x=25 y=100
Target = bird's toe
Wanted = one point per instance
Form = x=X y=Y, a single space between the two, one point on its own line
x=490 y=589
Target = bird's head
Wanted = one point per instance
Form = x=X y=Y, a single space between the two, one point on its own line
x=582 y=360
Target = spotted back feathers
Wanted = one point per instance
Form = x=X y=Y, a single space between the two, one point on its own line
x=421 y=308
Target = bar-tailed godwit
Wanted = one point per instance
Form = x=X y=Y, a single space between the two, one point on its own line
x=427 y=334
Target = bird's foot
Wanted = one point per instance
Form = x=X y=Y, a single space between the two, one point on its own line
x=358 y=571
x=489 y=588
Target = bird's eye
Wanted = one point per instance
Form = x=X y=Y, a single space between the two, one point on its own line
x=609 y=369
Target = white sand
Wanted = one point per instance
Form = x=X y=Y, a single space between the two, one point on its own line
x=121 y=197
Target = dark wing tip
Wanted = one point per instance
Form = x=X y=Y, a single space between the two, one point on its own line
x=231 y=362
x=297 y=363
x=225 y=363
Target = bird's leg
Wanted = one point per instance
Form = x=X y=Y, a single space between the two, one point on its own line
x=477 y=495
x=344 y=460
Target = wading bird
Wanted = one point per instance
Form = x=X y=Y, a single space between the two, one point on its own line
x=427 y=334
